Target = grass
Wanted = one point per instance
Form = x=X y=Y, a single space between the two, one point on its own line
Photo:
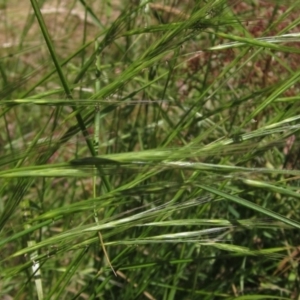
x=154 y=140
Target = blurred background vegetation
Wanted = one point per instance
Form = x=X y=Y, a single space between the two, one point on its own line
x=149 y=149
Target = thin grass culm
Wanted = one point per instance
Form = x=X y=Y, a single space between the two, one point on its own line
x=36 y=271
x=149 y=149
x=96 y=149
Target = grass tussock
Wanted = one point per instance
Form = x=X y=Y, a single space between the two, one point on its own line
x=149 y=150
